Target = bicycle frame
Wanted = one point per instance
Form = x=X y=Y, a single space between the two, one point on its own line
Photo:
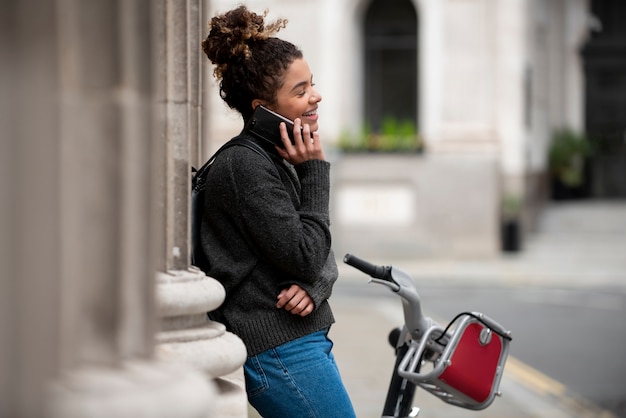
x=464 y=361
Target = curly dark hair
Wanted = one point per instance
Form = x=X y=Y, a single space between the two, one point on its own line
x=249 y=63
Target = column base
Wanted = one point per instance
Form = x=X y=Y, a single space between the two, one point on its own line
x=133 y=390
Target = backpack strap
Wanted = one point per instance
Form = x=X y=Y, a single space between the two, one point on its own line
x=199 y=175
x=198 y=183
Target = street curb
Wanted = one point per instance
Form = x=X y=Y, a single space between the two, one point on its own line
x=498 y=273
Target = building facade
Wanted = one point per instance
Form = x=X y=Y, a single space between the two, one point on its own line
x=485 y=82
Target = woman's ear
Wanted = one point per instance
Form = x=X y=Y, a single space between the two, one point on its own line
x=256 y=103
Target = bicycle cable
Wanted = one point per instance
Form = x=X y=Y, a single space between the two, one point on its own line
x=478 y=318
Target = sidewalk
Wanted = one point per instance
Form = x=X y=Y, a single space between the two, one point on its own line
x=577 y=245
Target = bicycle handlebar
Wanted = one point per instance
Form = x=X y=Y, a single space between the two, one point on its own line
x=380 y=274
x=426 y=341
x=377 y=272
x=400 y=283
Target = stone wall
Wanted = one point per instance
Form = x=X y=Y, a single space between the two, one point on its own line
x=385 y=206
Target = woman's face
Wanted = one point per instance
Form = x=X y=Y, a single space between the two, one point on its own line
x=297 y=98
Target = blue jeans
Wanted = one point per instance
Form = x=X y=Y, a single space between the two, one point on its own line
x=297 y=379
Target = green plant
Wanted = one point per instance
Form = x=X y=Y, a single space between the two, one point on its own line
x=511 y=207
x=360 y=141
x=394 y=136
x=568 y=152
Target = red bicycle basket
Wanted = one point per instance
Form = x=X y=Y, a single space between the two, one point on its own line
x=473 y=364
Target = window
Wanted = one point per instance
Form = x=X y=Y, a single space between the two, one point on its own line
x=391 y=62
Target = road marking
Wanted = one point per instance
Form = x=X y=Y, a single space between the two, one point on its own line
x=543 y=385
x=533 y=379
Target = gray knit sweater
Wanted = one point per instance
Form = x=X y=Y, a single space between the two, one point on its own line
x=266 y=226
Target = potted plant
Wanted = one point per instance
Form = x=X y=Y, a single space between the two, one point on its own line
x=394 y=136
x=569 y=152
x=511 y=224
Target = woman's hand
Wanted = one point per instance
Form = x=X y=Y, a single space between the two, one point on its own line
x=307 y=144
x=296 y=300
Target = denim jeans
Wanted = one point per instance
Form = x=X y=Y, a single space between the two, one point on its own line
x=298 y=379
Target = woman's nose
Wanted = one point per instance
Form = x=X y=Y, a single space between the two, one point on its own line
x=316 y=97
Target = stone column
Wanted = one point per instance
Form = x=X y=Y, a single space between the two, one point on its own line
x=187 y=337
x=184 y=293
x=110 y=155
x=94 y=164
x=78 y=309
x=29 y=206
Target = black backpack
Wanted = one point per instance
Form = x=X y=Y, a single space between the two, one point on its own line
x=198 y=183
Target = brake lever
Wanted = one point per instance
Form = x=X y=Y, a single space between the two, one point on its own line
x=391 y=284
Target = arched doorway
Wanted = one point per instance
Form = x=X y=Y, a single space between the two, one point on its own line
x=391 y=62
x=605 y=90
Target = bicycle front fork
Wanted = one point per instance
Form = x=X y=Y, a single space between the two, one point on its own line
x=399 y=402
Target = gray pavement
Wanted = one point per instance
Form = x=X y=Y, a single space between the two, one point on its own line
x=577 y=244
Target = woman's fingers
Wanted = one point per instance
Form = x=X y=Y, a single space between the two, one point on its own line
x=306 y=146
x=296 y=300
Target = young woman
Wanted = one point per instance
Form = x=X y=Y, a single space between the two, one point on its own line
x=265 y=228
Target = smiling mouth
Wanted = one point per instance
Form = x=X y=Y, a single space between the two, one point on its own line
x=309 y=114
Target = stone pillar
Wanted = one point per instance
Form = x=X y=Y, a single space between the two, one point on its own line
x=79 y=237
x=187 y=337
x=110 y=155
x=184 y=293
x=29 y=206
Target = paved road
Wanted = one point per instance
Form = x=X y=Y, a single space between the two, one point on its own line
x=575 y=336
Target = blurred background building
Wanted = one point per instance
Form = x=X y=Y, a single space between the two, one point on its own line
x=105 y=105
x=506 y=98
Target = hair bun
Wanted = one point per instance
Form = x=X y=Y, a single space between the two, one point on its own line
x=231 y=35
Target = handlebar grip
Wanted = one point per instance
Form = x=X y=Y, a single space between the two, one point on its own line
x=377 y=272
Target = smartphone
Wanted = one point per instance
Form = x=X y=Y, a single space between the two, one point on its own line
x=265 y=124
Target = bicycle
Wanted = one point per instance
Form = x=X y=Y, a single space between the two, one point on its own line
x=461 y=364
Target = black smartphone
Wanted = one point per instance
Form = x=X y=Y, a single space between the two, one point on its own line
x=265 y=124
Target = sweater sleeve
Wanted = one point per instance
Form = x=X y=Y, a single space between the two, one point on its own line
x=290 y=234
x=321 y=290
